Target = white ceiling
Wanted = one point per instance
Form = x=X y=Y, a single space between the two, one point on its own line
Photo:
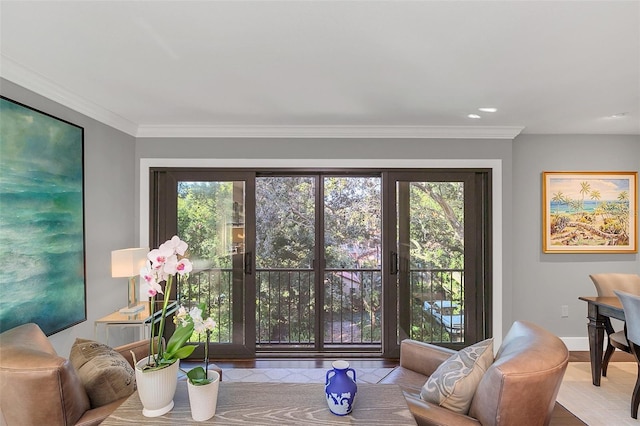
x=332 y=68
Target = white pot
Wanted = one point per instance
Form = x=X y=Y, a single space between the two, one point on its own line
x=204 y=398
x=156 y=388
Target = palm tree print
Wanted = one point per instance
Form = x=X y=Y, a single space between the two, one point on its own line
x=591 y=212
x=585 y=188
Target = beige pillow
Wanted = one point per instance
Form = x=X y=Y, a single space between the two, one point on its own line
x=454 y=382
x=105 y=374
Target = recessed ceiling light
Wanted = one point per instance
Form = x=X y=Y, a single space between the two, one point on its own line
x=618 y=115
x=487 y=109
x=473 y=116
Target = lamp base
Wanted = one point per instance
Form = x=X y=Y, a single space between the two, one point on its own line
x=132 y=310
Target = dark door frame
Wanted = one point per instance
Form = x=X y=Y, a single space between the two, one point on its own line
x=163 y=225
x=389 y=298
x=477 y=257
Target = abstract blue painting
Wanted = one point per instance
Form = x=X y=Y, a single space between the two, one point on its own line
x=42 y=277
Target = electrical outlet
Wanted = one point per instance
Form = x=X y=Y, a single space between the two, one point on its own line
x=564 y=311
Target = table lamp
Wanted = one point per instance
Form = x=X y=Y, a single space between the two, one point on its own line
x=127 y=263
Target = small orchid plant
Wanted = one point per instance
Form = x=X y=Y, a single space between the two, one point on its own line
x=162 y=265
x=197 y=375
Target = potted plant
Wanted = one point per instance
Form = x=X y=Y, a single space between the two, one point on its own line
x=202 y=384
x=157 y=374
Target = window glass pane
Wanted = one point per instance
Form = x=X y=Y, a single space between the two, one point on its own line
x=211 y=220
x=436 y=260
x=352 y=246
x=353 y=221
x=285 y=222
x=285 y=247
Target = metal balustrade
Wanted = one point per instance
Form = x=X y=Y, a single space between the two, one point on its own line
x=286 y=305
x=437 y=305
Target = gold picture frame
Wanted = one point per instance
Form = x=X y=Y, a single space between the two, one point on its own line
x=590 y=212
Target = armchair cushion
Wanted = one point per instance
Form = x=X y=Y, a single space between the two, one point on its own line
x=106 y=375
x=455 y=381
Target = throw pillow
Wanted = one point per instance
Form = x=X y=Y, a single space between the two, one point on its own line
x=454 y=382
x=105 y=374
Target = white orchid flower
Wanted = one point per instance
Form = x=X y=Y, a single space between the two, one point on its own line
x=209 y=324
x=176 y=245
x=196 y=313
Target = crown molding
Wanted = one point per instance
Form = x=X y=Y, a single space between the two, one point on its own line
x=423 y=132
x=23 y=76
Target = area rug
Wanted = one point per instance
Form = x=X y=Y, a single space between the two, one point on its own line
x=608 y=404
x=297 y=375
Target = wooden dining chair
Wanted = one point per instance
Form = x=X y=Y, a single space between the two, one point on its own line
x=606 y=284
x=631 y=306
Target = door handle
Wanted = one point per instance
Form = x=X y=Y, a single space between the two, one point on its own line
x=248 y=263
x=393 y=261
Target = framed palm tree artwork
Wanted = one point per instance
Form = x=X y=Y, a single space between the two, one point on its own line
x=41 y=219
x=590 y=212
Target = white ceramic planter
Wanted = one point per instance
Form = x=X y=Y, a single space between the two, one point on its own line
x=203 y=399
x=156 y=388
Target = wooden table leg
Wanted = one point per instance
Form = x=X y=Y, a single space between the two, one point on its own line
x=596 y=329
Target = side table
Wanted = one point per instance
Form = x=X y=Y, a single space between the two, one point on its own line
x=142 y=319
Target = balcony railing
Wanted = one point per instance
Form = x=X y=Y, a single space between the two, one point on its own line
x=285 y=307
x=286 y=311
x=437 y=305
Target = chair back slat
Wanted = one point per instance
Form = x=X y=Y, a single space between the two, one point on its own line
x=608 y=282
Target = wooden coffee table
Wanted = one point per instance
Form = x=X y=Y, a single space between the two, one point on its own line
x=276 y=404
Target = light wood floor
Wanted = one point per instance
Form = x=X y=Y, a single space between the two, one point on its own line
x=561 y=417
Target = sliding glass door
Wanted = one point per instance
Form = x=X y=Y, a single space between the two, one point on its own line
x=318 y=252
x=344 y=261
x=438 y=256
x=214 y=213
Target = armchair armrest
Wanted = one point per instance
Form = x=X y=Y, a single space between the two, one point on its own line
x=422 y=358
x=95 y=416
x=139 y=348
x=427 y=414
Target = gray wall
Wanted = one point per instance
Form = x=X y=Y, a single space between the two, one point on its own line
x=427 y=149
x=109 y=158
x=543 y=282
x=534 y=284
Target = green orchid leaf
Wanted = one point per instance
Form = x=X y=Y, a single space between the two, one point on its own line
x=179 y=338
x=164 y=362
x=198 y=377
x=184 y=351
x=196 y=373
x=179 y=353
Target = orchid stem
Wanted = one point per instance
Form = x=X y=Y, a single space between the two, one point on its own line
x=153 y=330
x=167 y=292
x=206 y=356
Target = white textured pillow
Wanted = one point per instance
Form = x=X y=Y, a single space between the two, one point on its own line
x=454 y=382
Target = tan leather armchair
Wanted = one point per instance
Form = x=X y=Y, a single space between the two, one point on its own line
x=519 y=388
x=38 y=387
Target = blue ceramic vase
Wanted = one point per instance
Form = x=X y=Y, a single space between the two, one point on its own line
x=340 y=388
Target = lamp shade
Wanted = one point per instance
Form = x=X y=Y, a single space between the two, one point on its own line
x=128 y=262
